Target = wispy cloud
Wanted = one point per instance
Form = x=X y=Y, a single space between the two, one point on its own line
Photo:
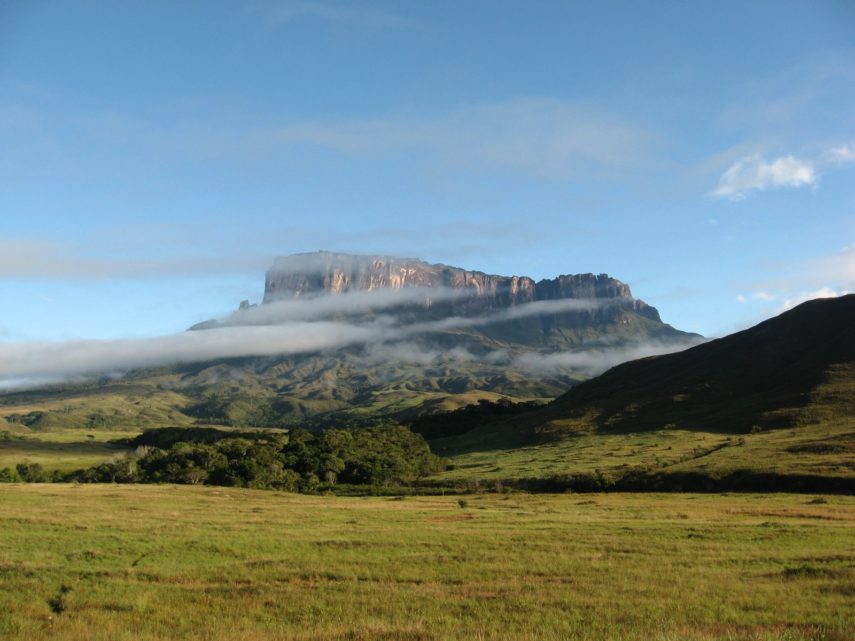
x=595 y=361
x=802 y=297
x=755 y=173
x=325 y=306
x=546 y=138
x=28 y=259
x=534 y=137
x=841 y=155
x=302 y=327
x=48 y=361
x=210 y=247
x=797 y=94
x=363 y=16
x=821 y=277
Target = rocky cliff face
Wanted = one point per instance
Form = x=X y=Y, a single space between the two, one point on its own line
x=331 y=273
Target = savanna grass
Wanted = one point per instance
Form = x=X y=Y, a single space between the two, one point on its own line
x=164 y=562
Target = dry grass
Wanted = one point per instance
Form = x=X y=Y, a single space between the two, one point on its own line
x=163 y=562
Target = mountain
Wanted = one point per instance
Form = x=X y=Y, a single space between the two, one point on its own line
x=606 y=308
x=792 y=369
x=434 y=337
x=597 y=309
x=302 y=275
x=776 y=398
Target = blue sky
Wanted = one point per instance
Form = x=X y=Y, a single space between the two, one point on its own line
x=155 y=156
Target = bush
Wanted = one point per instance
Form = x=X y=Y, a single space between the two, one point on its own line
x=31 y=473
x=8 y=475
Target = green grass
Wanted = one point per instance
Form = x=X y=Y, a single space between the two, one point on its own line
x=584 y=453
x=63 y=449
x=164 y=562
x=826 y=449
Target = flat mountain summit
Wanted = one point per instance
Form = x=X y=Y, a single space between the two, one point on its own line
x=323 y=272
x=597 y=306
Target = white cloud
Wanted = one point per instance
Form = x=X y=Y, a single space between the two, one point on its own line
x=840 y=155
x=764 y=296
x=822 y=292
x=597 y=360
x=759 y=295
x=301 y=327
x=43 y=360
x=754 y=173
x=326 y=306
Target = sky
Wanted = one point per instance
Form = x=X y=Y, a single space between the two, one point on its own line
x=156 y=156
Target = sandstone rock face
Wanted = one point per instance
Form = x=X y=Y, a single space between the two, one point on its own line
x=302 y=275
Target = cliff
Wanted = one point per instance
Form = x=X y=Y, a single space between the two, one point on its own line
x=324 y=272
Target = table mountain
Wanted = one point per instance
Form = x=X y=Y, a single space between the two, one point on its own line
x=441 y=337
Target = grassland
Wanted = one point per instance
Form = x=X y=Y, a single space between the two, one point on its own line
x=826 y=449
x=61 y=449
x=162 y=562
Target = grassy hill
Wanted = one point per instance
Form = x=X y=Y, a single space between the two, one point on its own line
x=776 y=399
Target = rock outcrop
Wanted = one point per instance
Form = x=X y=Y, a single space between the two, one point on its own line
x=311 y=274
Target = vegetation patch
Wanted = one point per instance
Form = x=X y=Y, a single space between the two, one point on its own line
x=201 y=563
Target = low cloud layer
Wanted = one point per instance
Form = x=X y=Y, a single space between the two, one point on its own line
x=289 y=328
x=595 y=361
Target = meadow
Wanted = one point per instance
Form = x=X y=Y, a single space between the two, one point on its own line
x=61 y=449
x=825 y=449
x=154 y=562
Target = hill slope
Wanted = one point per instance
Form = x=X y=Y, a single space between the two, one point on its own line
x=777 y=398
x=797 y=368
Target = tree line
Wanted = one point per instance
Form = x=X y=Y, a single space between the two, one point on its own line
x=297 y=461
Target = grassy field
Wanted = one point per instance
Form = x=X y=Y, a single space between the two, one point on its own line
x=162 y=562
x=826 y=449
x=62 y=449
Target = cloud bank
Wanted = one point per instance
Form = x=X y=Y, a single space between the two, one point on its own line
x=595 y=361
x=292 y=327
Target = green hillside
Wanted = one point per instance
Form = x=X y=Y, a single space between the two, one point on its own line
x=776 y=399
